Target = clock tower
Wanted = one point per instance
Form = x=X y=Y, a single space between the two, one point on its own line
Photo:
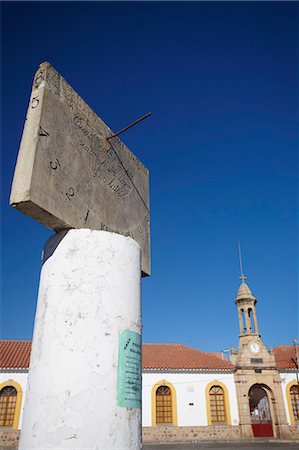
x=258 y=383
x=250 y=343
x=252 y=353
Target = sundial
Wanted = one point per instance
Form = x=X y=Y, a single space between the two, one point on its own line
x=71 y=172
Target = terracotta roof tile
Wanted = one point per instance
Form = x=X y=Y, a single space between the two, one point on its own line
x=178 y=356
x=15 y=354
x=285 y=356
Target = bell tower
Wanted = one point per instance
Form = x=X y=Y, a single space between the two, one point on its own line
x=246 y=304
x=250 y=343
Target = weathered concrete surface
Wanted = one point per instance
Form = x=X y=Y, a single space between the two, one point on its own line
x=89 y=295
x=68 y=175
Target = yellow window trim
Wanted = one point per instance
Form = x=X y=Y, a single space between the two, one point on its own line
x=18 y=388
x=173 y=399
x=288 y=392
x=226 y=401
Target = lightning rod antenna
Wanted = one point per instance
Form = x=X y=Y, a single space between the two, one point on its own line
x=243 y=278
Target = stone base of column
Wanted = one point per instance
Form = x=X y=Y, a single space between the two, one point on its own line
x=89 y=295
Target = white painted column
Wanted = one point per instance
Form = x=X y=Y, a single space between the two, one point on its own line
x=89 y=295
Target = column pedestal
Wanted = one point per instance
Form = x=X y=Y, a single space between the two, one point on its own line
x=89 y=299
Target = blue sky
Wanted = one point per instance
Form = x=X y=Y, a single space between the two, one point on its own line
x=222 y=82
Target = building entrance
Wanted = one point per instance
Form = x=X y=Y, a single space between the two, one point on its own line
x=260 y=413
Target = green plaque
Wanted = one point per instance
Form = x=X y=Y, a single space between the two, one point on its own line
x=129 y=370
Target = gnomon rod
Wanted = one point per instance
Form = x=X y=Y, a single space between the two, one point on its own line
x=129 y=126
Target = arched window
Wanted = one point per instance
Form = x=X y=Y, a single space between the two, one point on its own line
x=217 y=405
x=251 y=321
x=294 y=395
x=243 y=321
x=8 y=402
x=163 y=405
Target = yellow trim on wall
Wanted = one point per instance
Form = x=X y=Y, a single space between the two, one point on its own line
x=288 y=394
x=18 y=388
x=173 y=399
x=226 y=401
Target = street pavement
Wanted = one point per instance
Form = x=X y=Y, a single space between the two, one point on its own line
x=256 y=445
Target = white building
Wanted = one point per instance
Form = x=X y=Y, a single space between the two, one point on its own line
x=188 y=394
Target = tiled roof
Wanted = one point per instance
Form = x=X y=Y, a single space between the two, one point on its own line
x=15 y=354
x=285 y=356
x=178 y=356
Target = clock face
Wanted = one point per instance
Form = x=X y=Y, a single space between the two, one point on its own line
x=254 y=347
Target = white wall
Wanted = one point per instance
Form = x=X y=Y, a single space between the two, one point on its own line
x=21 y=379
x=190 y=388
x=286 y=377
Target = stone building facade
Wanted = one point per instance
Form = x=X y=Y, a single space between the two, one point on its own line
x=258 y=382
x=189 y=394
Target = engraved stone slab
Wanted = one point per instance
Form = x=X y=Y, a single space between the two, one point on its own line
x=68 y=175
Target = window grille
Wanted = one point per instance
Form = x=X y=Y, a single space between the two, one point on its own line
x=163 y=406
x=294 y=393
x=217 y=405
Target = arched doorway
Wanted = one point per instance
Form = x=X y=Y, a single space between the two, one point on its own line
x=260 y=413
